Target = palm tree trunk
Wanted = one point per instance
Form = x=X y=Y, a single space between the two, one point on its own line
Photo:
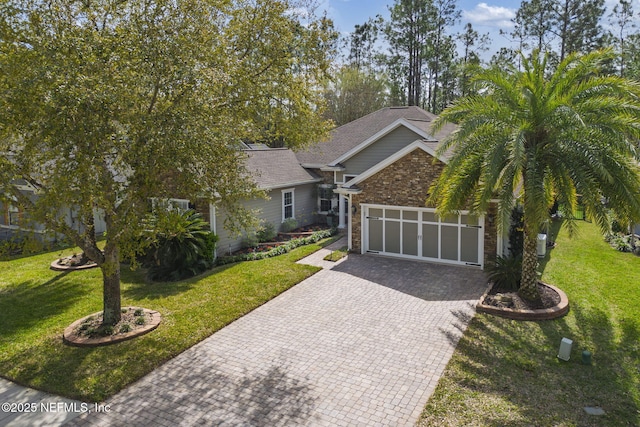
x=529 y=283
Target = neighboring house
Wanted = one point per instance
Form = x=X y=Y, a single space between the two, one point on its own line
x=14 y=222
x=382 y=166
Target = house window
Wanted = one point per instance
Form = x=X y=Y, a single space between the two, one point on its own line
x=180 y=205
x=288 y=201
x=13 y=215
x=325 y=195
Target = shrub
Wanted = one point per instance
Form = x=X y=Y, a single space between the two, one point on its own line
x=266 y=233
x=180 y=245
x=288 y=225
x=506 y=272
x=622 y=243
x=279 y=250
x=249 y=241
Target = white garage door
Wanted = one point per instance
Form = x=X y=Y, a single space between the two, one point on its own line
x=420 y=234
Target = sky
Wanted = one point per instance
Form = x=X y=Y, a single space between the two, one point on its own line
x=489 y=16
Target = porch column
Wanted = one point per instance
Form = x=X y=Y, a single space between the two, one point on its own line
x=342 y=223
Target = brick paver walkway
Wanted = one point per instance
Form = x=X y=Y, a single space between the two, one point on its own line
x=361 y=344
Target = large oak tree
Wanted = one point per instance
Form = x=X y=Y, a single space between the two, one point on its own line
x=106 y=103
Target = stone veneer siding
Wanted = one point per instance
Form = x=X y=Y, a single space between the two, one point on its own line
x=406 y=182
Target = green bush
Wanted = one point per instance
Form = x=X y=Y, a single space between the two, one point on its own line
x=622 y=243
x=250 y=240
x=288 y=225
x=180 y=245
x=27 y=244
x=278 y=250
x=505 y=272
x=266 y=233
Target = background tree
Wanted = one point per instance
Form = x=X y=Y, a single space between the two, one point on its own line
x=354 y=93
x=472 y=46
x=407 y=32
x=441 y=51
x=533 y=22
x=541 y=140
x=106 y=104
x=362 y=43
x=560 y=27
x=622 y=18
x=577 y=25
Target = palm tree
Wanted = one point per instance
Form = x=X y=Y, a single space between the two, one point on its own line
x=532 y=137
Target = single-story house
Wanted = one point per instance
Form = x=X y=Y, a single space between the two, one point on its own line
x=374 y=175
x=382 y=166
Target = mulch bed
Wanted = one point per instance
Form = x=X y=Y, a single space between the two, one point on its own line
x=73 y=262
x=554 y=303
x=497 y=298
x=89 y=332
x=283 y=238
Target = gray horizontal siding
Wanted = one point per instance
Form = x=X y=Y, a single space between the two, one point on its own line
x=379 y=150
x=268 y=211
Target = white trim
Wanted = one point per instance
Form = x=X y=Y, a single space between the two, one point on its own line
x=212 y=218
x=346 y=191
x=289 y=184
x=418 y=144
x=332 y=168
x=393 y=126
x=350 y=175
x=481 y=228
x=341 y=212
x=313 y=165
x=28 y=187
x=293 y=203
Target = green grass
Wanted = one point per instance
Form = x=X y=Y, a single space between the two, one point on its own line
x=506 y=373
x=337 y=254
x=37 y=304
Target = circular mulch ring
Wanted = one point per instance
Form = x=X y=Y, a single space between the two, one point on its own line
x=558 y=310
x=57 y=266
x=77 y=333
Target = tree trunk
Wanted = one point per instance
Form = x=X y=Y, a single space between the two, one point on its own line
x=111 y=285
x=529 y=283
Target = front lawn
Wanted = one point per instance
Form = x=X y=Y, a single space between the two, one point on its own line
x=36 y=304
x=506 y=373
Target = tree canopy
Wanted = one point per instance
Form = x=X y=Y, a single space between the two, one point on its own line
x=107 y=103
x=536 y=139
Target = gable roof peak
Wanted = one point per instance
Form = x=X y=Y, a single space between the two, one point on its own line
x=348 y=136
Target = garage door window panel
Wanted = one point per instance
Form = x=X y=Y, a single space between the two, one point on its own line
x=410 y=238
x=449 y=243
x=375 y=224
x=392 y=237
x=430 y=240
x=469 y=240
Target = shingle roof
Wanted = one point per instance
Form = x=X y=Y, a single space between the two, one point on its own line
x=348 y=136
x=276 y=168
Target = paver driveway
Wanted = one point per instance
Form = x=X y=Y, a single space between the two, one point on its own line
x=363 y=343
